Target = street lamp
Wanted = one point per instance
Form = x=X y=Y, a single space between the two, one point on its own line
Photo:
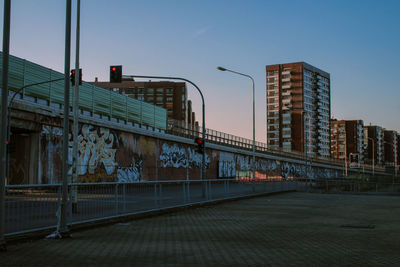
x=254 y=120
x=203 y=171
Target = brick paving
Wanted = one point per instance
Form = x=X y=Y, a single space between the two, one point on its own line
x=302 y=229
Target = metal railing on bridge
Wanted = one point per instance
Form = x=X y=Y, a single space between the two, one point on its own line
x=179 y=128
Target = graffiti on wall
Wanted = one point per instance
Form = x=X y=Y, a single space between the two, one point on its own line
x=107 y=155
x=95 y=148
x=231 y=165
x=130 y=174
x=177 y=157
x=226 y=165
x=298 y=170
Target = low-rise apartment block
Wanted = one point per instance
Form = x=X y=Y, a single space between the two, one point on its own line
x=391 y=148
x=347 y=140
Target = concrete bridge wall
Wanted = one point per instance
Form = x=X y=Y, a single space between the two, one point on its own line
x=110 y=150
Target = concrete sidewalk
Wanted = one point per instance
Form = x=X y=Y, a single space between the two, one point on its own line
x=288 y=229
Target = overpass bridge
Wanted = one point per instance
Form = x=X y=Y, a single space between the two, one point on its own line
x=125 y=140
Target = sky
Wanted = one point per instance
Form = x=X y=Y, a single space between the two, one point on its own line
x=355 y=41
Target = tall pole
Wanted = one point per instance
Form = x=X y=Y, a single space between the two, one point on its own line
x=345 y=150
x=76 y=110
x=395 y=158
x=254 y=122
x=63 y=230
x=3 y=133
x=309 y=141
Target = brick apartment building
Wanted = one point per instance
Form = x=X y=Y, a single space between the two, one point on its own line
x=169 y=95
x=391 y=147
x=347 y=140
x=298 y=108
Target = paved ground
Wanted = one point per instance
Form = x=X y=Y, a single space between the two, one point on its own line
x=301 y=229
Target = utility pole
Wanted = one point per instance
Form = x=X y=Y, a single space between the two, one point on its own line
x=75 y=167
x=62 y=227
x=4 y=108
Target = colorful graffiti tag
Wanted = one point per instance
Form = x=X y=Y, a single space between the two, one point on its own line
x=177 y=157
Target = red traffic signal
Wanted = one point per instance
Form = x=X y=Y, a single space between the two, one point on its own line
x=115 y=74
x=72 y=77
x=200 y=145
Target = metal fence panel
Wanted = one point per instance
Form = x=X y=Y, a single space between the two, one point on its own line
x=34 y=207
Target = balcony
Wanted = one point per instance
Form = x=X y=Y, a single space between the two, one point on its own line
x=286 y=79
x=287 y=107
x=286 y=93
x=286 y=86
x=286 y=72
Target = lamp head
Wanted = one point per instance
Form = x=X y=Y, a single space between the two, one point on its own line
x=221 y=69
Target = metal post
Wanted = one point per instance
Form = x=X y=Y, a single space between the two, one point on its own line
x=3 y=133
x=345 y=151
x=75 y=166
x=63 y=228
x=254 y=137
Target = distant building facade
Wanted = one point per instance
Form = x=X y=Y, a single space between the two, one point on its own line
x=347 y=140
x=391 y=147
x=298 y=108
x=374 y=140
x=169 y=95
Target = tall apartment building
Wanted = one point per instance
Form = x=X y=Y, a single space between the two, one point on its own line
x=391 y=147
x=298 y=108
x=374 y=138
x=169 y=95
x=347 y=140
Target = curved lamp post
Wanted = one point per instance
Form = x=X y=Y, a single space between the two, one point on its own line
x=254 y=120
x=203 y=170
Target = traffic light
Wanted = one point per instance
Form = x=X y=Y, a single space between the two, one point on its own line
x=72 y=77
x=115 y=74
x=200 y=145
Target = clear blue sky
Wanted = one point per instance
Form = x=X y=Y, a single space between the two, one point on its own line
x=357 y=42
